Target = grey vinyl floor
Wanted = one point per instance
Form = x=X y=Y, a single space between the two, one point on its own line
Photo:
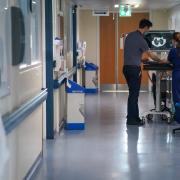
x=110 y=150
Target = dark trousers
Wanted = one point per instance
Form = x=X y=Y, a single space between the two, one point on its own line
x=133 y=78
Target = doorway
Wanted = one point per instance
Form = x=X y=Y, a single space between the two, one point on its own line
x=112 y=30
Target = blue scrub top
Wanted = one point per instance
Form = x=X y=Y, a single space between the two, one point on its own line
x=174 y=58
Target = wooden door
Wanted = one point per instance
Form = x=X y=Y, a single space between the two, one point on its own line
x=108 y=47
x=107 y=50
x=126 y=25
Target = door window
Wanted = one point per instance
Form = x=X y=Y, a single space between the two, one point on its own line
x=32 y=17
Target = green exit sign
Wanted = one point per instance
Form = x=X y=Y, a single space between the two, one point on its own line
x=125 y=11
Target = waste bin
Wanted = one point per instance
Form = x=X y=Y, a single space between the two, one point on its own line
x=75 y=106
x=91 y=78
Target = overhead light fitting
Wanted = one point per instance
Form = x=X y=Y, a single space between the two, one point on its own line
x=116 y=6
x=136 y=5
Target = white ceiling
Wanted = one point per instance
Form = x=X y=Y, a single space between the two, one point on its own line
x=144 y=4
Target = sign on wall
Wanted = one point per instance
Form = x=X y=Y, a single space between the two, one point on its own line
x=125 y=11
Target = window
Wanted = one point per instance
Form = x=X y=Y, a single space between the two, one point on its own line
x=32 y=16
x=69 y=28
x=35 y=30
x=59 y=5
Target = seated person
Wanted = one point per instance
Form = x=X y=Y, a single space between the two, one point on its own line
x=174 y=58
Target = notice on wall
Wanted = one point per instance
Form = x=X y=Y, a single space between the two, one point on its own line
x=122 y=40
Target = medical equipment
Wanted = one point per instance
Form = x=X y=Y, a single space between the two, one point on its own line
x=162 y=106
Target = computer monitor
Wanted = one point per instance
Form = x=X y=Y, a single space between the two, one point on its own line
x=159 y=40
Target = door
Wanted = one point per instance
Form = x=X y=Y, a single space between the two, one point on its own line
x=107 y=51
x=111 y=63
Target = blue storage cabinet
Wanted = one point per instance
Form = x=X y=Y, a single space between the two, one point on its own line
x=75 y=106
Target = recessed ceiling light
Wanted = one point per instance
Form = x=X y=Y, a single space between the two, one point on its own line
x=136 y=5
x=116 y=5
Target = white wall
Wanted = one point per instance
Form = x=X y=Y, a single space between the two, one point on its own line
x=159 y=19
x=59 y=94
x=174 y=18
x=68 y=46
x=24 y=142
x=88 y=30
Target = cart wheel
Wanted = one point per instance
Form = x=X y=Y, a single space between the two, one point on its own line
x=164 y=117
x=149 y=117
x=174 y=132
x=169 y=120
x=143 y=120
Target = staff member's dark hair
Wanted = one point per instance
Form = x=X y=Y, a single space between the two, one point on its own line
x=145 y=23
x=176 y=37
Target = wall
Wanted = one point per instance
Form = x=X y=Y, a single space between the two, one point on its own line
x=65 y=24
x=24 y=142
x=174 y=18
x=68 y=36
x=159 y=19
x=88 y=28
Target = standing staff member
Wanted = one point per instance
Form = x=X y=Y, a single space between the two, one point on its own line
x=174 y=58
x=135 y=48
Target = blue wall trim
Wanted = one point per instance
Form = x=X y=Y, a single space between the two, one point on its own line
x=74 y=126
x=74 y=17
x=72 y=72
x=49 y=70
x=18 y=116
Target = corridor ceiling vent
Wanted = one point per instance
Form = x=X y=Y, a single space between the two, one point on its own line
x=100 y=12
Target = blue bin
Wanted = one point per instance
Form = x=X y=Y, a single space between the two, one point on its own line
x=91 y=71
x=75 y=106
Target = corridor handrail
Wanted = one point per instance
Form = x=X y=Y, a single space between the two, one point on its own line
x=71 y=72
x=63 y=77
x=11 y=121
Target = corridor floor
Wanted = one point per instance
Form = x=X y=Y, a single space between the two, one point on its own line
x=109 y=150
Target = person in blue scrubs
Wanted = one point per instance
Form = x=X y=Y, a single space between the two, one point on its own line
x=174 y=58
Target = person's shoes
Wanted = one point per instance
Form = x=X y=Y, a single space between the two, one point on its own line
x=141 y=121
x=136 y=122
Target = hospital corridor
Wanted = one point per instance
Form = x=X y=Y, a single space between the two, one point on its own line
x=89 y=90
x=110 y=150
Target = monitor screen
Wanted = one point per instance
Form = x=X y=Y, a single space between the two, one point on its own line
x=159 y=40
